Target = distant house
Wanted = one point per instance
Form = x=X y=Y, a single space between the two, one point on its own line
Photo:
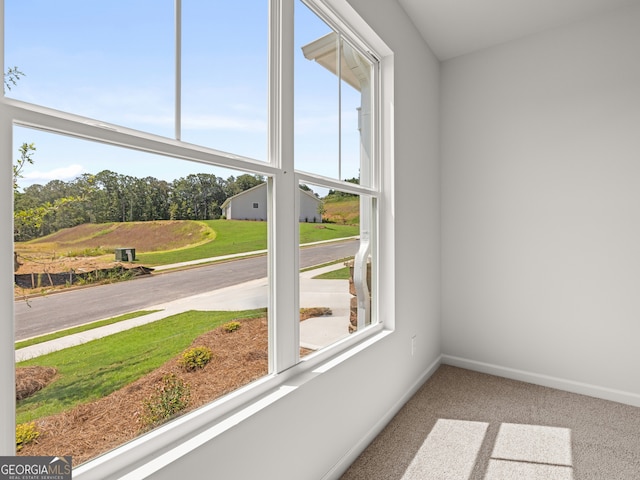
x=251 y=204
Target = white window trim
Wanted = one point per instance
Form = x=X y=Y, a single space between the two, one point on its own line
x=283 y=225
x=287 y=370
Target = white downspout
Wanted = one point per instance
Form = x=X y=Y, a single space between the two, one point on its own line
x=361 y=68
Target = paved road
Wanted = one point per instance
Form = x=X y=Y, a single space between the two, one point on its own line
x=75 y=307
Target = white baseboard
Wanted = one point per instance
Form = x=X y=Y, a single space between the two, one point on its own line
x=353 y=453
x=545 y=380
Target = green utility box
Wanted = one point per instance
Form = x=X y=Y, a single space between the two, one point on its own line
x=125 y=254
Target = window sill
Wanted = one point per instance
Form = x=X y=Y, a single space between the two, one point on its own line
x=151 y=452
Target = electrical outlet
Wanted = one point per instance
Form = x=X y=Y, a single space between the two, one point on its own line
x=413 y=345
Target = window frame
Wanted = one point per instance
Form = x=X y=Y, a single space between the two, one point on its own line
x=283 y=235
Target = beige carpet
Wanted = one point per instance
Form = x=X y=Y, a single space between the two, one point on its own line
x=464 y=425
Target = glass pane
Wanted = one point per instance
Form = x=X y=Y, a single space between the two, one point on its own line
x=316 y=100
x=112 y=61
x=225 y=75
x=143 y=236
x=333 y=91
x=335 y=277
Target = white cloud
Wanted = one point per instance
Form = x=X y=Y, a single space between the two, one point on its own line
x=64 y=173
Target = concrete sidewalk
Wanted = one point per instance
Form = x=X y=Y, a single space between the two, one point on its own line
x=315 y=333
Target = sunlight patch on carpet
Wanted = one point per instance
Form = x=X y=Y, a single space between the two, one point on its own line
x=449 y=452
x=533 y=452
x=533 y=443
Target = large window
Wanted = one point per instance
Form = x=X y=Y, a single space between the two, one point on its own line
x=210 y=179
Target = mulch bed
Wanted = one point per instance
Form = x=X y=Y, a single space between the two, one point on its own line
x=94 y=428
x=91 y=429
x=31 y=379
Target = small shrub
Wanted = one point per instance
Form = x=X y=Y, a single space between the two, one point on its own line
x=231 y=326
x=26 y=433
x=171 y=397
x=195 y=358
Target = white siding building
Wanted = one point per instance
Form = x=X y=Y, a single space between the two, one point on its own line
x=251 y=204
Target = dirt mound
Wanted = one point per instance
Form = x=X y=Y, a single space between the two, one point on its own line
x=144 y=236
x=31 y=379
x=90 y=248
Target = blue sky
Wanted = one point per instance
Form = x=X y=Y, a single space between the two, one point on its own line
x=113 y=61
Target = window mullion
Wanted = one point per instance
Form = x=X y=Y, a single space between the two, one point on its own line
x=178 y=70
x=283 y=224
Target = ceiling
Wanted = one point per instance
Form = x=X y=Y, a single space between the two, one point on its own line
x=456 y=27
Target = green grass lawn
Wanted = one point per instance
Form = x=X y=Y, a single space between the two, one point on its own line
x=95 y=369
x=232 y=236
x=236 y=236
x=316 y=232
x=340 y=274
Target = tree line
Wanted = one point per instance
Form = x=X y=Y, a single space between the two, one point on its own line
x=107 y=196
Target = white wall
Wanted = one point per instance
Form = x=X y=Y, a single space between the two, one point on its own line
x=311 y=433
x=541 y=207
